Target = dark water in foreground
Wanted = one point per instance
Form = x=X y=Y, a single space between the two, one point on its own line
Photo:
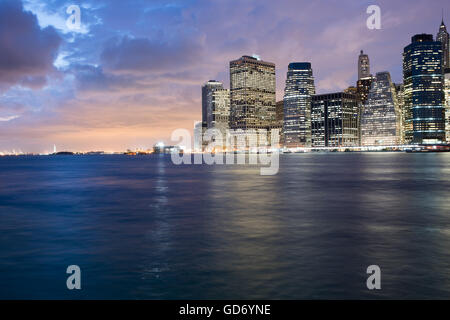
x=141 y=227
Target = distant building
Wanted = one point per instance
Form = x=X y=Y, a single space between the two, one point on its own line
x=363 y=66
x=400 y=90
x=363 y=87
x=447 y=104
x=279 y=111
x=381 y=119
x=297 y=105
x=198 y=136
x=443 y=37
x=218 y=109
x=161 y=148
x=351 y=90
x=207 y=90
x=334 y=120
x=423 y=79
x=364 y=77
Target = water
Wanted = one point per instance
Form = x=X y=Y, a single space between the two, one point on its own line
x=143 y=228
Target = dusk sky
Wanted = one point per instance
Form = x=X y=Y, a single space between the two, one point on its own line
x=133 y=72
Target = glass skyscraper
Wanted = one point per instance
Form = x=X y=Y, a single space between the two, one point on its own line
x=297 y=105
x=423 y=79
x=381 y=117
x=335 y=120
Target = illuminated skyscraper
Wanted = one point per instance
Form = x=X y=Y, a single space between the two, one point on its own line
x=218 y=112
x=279 y=110
x=363 y=66
x=252 y=94
x=447 y=104
x=207 y=90
x=335 y=120
x=364 y=77
x=297 y=105
x=400 y=90
x=424 y=90
x=363 y=86
x=380 y=119
x=443 y=37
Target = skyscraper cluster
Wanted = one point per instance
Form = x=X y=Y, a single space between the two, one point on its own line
x=375 y=112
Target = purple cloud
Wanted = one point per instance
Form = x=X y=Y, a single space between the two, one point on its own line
x=27 y=52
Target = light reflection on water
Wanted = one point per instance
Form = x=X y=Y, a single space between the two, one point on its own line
x=141 y=227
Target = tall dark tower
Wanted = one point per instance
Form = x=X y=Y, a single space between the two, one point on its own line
x=423 y=79
x=443 y=37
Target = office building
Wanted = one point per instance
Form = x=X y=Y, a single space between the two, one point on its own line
x=423 y=80
x=380 y=118
x=447 y=104
x=297 y=105
x=252 y=94
x=334 y=120
x=443 y=37
x=363 y=66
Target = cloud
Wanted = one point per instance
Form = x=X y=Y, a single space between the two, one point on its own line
x=143 y=55
x=27 y=52
x=8 y=118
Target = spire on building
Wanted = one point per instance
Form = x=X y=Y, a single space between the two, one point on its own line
x=444 y=37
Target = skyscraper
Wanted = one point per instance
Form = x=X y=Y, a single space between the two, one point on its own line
x=363 y=66
x=207 y=90
x=297 y=105
x=252 y=94
x=381 y=119
x=443 y=37
x=335 y=120
x=447 y=104
x=364 y=77
x=400 y=90
x=423 y=79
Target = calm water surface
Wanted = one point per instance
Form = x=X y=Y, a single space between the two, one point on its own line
x=143 y=228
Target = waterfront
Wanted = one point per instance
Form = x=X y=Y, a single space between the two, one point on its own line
x=143 y=228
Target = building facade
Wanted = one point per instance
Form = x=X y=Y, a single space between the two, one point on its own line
x=447 y=104
x=443 y=37
x=334 y=120
x=400 y=90
x=297 y=105
x=380 y=118
x=207 y=90
x=423 y=79
x=252 y=94
x=363 y=66
x=218 y=110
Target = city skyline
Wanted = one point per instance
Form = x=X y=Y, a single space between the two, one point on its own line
x=98 y=99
